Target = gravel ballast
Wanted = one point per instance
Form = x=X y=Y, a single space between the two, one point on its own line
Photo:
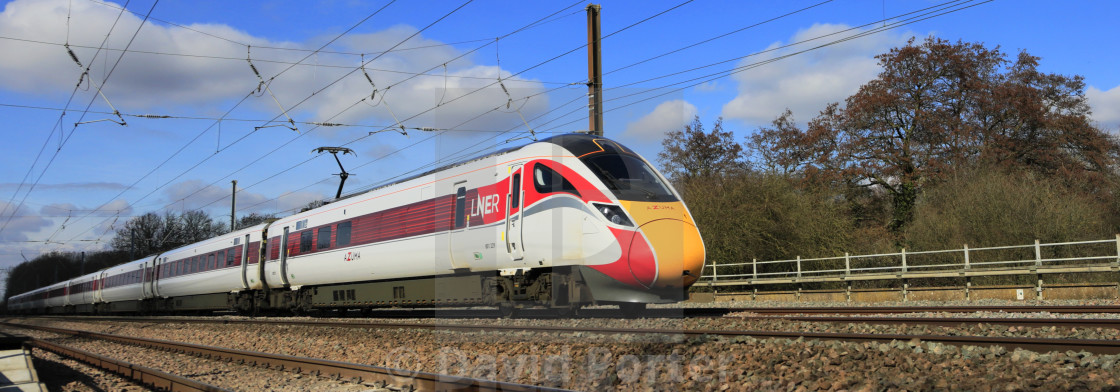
x=589 y=361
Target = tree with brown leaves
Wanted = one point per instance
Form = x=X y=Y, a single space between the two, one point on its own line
x=938 y=106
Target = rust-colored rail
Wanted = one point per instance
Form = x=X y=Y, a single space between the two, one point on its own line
x=400 y=378
x=939 y=321
x=1035 y=344
x=144 y=375
x=915 y=309
x=949 y=321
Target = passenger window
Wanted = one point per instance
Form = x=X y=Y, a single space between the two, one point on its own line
x=460 y=207
x=306 y=241
x=210 y=262
x=229 y=257
x=342 y=238
x=546 y=180
x=324 y=237
x=515 y=191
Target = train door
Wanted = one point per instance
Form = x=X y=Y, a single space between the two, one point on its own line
x=159 y=266
x=514 y=225
x=99 y=286
x=284 y=257
x=459 y=242
x=275 y=269
x=245 y=262
x=146 y=278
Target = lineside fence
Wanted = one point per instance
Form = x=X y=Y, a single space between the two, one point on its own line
x=1036 y=259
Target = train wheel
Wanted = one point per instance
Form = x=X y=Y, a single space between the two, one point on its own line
x=632 y=309
x=507 y=310
x=567 y=312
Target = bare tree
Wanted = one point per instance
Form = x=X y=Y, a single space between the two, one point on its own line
x=694 y=153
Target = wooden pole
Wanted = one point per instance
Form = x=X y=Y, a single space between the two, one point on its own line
x=594 y=72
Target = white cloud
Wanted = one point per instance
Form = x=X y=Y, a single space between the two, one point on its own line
x=217 y=70
x=113 y=208
x=709 y=86
x=667 y=116
x=806 y=82
x=193 y=195
x=1106 y=106
x=71 y=187
x=21 y=223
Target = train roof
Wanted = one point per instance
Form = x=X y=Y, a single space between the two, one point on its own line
x=576 y=143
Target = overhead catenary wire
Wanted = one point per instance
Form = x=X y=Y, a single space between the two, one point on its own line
x=299 y=64
x=299 y=103
x=924 y=11
x=399 y=82
x=246 y=97
x=253 y=120
x=59 y=123
x=940 y=10
x=725 y=75
x=555 y=58
x=724 y=35
x=529 y=26
x=643 y=20
x=334 y=82
x=551 y=18
x=50 y=135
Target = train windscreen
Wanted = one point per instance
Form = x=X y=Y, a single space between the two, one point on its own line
x=629 y=178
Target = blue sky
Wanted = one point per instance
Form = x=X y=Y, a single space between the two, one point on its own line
x=188 y=62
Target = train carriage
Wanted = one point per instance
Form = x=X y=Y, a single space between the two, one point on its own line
x=559 y=223
x=83 y=292
x=122 y=287
x=207 y=275
x=55 y=298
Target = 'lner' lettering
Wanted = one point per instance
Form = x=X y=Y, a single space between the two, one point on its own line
x=485 y=205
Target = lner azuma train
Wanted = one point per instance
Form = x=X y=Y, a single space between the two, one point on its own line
x=561 y=223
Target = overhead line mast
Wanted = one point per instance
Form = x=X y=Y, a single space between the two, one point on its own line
x=594 y=72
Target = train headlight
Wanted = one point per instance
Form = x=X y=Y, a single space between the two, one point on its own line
x=613 y=214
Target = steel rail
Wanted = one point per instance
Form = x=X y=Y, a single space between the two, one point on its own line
x=939 y=321
x=144 y=375
x=919 y=309
x=887 y=320
x=1098 y=346
x=949 y=321
x=400 y=378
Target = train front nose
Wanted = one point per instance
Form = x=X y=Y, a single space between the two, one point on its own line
x=678 y=254
x=667 y=251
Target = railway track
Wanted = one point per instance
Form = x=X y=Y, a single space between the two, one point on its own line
x=1097 y=346
x=383 y=376
x=949 y=321
x=659 y=312
x=143 y=375
x=844 y=315
x=913 y=309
